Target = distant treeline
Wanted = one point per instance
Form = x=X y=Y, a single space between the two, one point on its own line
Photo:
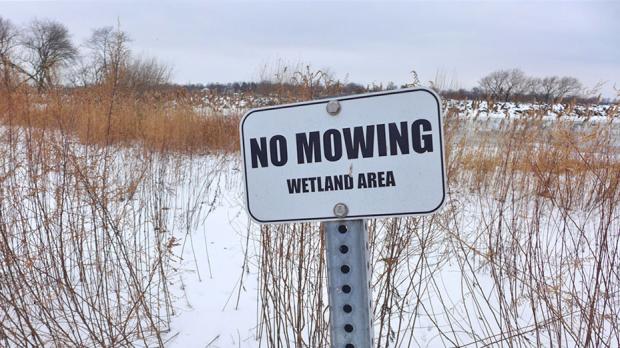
x=500 y=86
x=42 y=55
x=477 y=94
x=268 y=88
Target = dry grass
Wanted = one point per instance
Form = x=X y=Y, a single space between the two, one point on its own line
x=170 y=120
x=88 y=241
x=524 y=253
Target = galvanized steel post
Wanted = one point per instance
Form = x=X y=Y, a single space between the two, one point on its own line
x=348 y=275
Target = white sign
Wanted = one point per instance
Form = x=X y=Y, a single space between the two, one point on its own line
x=378 y=154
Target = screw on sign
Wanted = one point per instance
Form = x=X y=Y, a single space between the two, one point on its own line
x=333 y=107
x=341 y=161
x=341 y=210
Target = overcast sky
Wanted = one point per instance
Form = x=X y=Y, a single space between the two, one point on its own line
x=371 y=41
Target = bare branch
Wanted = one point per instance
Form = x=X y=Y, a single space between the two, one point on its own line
x=48 y=49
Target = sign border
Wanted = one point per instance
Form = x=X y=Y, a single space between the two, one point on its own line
x=325 y=101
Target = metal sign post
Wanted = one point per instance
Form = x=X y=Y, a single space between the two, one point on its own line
x=348 y=284
x=342 y=161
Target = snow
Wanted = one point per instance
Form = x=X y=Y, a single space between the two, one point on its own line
x=216 y=290
x=216 y=284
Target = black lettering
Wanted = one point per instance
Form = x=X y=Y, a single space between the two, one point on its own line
x=329 y=183
x=332 y=144
x=258 y=153
x=398 y=138
x=381 y=179
x=359 y=141
x=308 y=151
x=372 y=180
x=294 y=185
x=348 y=182
x=390 y=181
x=279 y=152
x=381 y=143
x=338 y=184
x=312 y=183
x=361 y=181
x=305 y=181
x=422 y=143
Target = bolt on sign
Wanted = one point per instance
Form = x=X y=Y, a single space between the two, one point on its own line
x=370 y=155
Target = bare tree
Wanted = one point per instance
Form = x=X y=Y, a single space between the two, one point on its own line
x=568 y=86
x=8 y=42
x=493 y=85
x=532 y=86
x=109 y=54
x=8 y=36
x=517 y=82
x=548 y=88
x=554 y=88
x=503 y=83
x=48 y=49
x=110 y=61
x=145 y=73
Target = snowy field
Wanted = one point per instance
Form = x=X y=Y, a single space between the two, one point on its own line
x=523 y=253
x=450 y=294
x=217 y=292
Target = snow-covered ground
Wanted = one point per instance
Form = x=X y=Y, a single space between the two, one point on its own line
x=217 y=296
x=215 y=288
x=459 y=277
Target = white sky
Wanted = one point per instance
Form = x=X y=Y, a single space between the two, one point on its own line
x=371 y=41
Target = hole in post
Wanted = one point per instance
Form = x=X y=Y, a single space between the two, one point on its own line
x=348 y=328
x=345 y=269
x=349 y=345
x=346 y=289
x=347 y=308
x=344 y=249
x=342 y=228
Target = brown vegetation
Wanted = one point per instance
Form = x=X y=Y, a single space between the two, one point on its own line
x=166 y=120
x=88 y=242
x=524 y=253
